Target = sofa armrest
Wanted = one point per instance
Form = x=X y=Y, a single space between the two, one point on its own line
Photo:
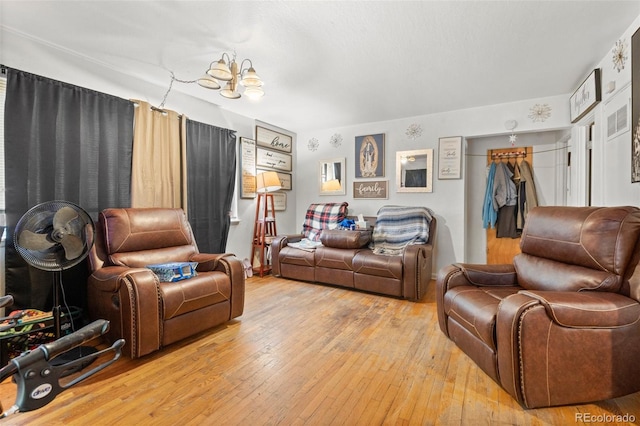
x=207 y=261
x=417 y=263
x=467 y=274
x=129 y=298
x=588 y=309
x=542 y=336
x=233 y=268
x=278 y=243
x=488 y=275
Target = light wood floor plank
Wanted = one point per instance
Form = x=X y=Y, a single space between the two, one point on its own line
x=305 y=354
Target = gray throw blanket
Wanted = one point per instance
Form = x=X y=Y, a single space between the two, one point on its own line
x=399 y=226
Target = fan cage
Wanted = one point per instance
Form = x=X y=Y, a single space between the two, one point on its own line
x=39 y=219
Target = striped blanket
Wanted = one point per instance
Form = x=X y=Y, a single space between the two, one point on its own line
x=399 y=226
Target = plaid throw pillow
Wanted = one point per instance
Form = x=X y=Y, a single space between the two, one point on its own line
x=322 y=216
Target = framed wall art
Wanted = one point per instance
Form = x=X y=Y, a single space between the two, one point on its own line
x=450 y=157
x=586 y=97
x=371 y=189
x=273 y=159
x=370 y=156
x=247 y=168
x=273 y=140
x=279 y=201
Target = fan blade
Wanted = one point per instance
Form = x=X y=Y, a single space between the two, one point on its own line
x=32 y=241
x=73 y=246
x=63 y=217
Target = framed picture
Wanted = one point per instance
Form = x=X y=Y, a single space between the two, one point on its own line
x=450 y=157
x=586 y=97
x=371 y=189
x=279 y=201
x=370 y=156
x=273 y=159
x=635 y=107
x=273 y=140
x=248 y=168
x=285 y=179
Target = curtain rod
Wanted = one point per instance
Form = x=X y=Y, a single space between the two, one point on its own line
x=153 y=108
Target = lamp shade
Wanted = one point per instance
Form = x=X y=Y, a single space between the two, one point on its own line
x=229 y=91
x=220 y=71
x=208 y=82
x=250 y=78
x=268 y=182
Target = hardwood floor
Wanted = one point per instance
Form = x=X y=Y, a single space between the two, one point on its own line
x=305 y=354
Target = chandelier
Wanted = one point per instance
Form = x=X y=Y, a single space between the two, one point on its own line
x=229 y=72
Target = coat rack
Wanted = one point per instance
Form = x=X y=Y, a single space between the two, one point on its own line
x=508 y=154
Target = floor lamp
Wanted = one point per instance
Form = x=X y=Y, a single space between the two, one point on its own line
x=264 y=228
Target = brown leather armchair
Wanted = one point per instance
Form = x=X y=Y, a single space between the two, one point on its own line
x=561 y=325
x=147 y=313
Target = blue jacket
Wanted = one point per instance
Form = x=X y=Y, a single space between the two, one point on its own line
x=489 y=214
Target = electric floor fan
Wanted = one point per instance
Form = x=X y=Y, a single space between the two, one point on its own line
x=54 y=236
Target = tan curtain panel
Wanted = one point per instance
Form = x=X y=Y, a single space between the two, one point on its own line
x=158 y=175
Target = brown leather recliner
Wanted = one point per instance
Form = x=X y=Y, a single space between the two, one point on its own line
x=561 y=325
x=147 y=313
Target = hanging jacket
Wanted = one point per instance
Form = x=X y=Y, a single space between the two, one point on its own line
x=530 y=196
x=504 y=190
x=489 y=214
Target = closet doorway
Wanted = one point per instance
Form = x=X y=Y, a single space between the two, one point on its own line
x=503 y=249
x=548 y=159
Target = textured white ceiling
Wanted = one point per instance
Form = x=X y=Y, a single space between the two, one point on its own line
x=330 y=63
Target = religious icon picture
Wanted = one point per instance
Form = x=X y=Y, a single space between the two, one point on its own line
x=370 y=156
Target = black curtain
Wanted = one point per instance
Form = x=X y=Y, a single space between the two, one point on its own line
x=62 y=142
x=211 y=177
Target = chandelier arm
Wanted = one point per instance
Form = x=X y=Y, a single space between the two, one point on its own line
x=242 y=68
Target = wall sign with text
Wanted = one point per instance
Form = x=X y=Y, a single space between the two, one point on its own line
x=273 y=160
x=248 y=168
x=586 y=97
x=273 y=140
x=371 y=189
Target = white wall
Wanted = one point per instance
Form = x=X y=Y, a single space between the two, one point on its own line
x=448 y=199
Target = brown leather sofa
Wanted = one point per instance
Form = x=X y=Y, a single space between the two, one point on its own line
x=345 y=260
x=147 y=313
x=561 y=325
